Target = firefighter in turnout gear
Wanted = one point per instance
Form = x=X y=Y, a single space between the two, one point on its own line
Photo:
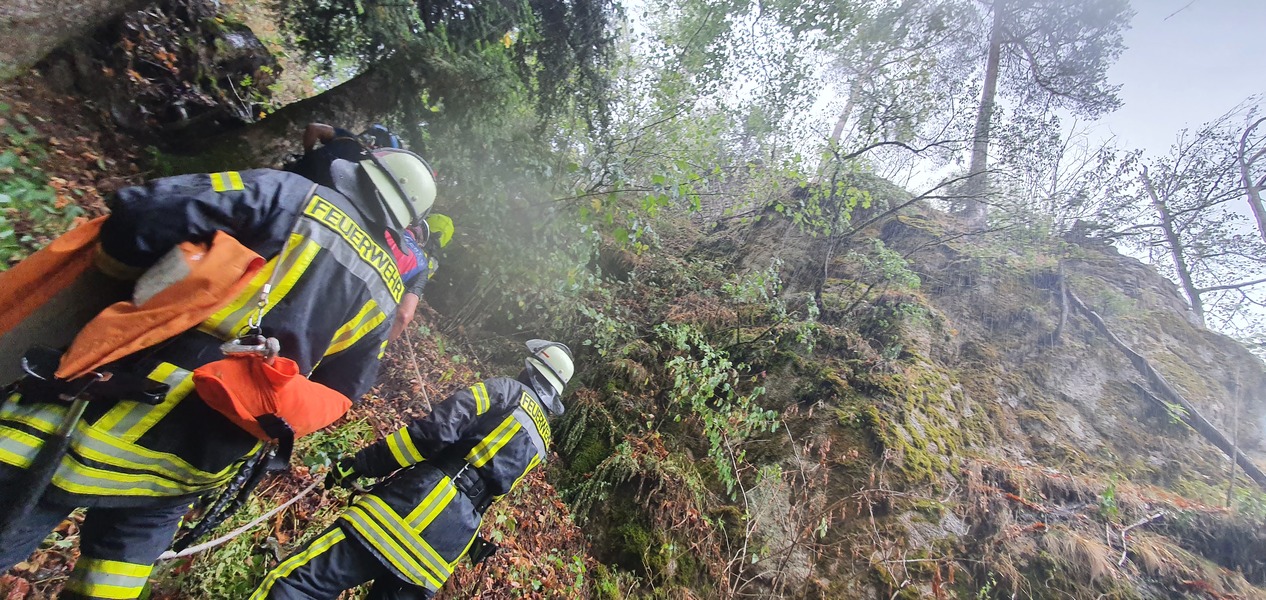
x=326 y=294
x=416 y=264
x=409 y=532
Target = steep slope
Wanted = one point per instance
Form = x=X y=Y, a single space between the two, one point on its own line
x=909 y=412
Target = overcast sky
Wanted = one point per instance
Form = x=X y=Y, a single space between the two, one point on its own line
x=1187 y=69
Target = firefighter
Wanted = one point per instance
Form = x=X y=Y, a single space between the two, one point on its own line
x=326 y=295
x=409 y=532
x=434 y=233
x=416 y=265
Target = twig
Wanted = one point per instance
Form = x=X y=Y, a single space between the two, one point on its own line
x=1141 y=522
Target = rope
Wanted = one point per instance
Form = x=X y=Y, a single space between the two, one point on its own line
x=240 y=530
x=408 y=342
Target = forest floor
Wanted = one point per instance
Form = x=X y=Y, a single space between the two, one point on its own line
x=66 y=159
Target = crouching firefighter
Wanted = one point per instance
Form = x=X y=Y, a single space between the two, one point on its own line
x=152 y=406
x=409 y=532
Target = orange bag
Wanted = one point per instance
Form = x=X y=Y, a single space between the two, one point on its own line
x=245 y=387
x=215 y=274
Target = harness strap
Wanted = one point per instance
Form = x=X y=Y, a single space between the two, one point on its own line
x=41 y=384
x=467 y=481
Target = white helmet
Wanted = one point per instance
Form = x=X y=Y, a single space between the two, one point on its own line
x=553 y=361
x=404 y=182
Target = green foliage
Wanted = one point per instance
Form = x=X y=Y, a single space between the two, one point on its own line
x=30 y=212
x=232 y=570
x=825 y=207
x=322 y=448
x=1108 y=508
x=707 y=383
x=558 y=49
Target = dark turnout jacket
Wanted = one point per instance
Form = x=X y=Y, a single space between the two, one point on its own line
x=472 y=449
x=333 y=289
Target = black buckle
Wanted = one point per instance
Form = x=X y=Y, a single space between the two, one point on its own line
x=278 y=429
x=481 y=550
x=41 y=384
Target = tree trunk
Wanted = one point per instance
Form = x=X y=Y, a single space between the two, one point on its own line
x=1170 y=395
x=977 y=185
x=854 y=90
x=353 y=105
x=1175 y=247
x=33 y=28
x=1252 y=188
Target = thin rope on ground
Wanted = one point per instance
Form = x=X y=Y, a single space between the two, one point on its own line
x=240 y=530
x=408 y=342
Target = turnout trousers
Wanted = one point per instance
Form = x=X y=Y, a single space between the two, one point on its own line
x=330 y=563
x=117 y=546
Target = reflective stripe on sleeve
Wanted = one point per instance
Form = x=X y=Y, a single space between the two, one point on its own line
x=402 y=448
x=482 y=403
x=360 y=325
x=228 y=181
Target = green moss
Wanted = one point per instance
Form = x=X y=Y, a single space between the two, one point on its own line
x=606 y=584
x=591 y=451
x=635 y=540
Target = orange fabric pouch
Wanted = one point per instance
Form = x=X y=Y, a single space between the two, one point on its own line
x=245 y=387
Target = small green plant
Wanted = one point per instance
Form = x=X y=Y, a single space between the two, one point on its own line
x=706 y=383
x=1108 y=507
x=987 y=589
x=323 y=447
x=1178 y=413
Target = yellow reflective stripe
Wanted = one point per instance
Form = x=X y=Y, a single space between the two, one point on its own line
x=98 y=446
x=490 y=445
x=401 y=445
x=408 y=538
x=333 y=218
x=214 y=322
x=382 y=349
x=482 y=403
x=121 y=410
x=294 y=264
x=32 y=419
x=228 y=321
x=77 y=478
x=105 y=591
x=351 y=332
x=113 y=567
x=537 y=414
x=535 y=460
x=316 y=548
x=18 y=448
x=421 y=520
x=390 y=548
x=437 y=497
x=153 y=414
x=229 y=181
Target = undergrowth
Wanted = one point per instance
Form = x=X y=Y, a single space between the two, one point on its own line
x=31 y=213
